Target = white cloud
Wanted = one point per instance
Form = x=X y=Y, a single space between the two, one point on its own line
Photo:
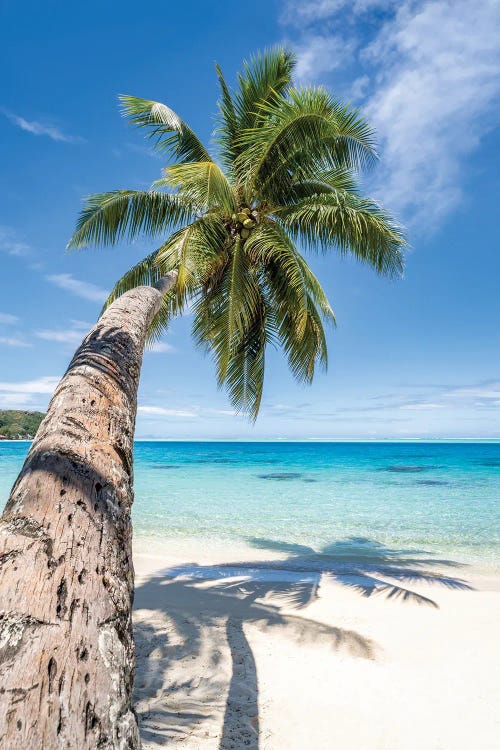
x=10 y=244
x=44 y=384
x=14 y=400
x=359 y=87
x=72 y=336
x=160 y=411
x=194 y=411
x=83 y=289
x=61 y=336
x=221 y=412
x=318 y=54
x=434 y=100
x=421 y=407
x=39 y=128
x=161 y=347
x=7 y=319
x=13 y=341
x=429 y=70
x=490 y=390
x=299 y=12
x=23 y=393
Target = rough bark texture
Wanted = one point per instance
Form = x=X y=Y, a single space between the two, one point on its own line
x=66 y=574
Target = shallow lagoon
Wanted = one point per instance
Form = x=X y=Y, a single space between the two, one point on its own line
x=443 y=498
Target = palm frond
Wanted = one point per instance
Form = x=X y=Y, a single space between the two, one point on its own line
x=302 y=336
x=324 y=181
x=295 y=133
x=225 y=315
x=191 y=251
x=353 y=225
x=270 y=245
x=106 y=218
x=265 y=76
x=227 y=123
x=294 y=296
x=245 y=372
x=202 y=183
x=166 y=129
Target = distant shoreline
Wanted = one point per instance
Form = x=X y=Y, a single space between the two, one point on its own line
x=305 y=441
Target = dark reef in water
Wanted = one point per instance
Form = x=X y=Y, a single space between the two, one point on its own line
x=408 y=468
x=214 y=460
x=281 y=476
x=431 y=482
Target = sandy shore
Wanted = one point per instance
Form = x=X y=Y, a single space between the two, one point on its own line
x=384 y=655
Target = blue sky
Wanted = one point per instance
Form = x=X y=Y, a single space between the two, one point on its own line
x=413 y=358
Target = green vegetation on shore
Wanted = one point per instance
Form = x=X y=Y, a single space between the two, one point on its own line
x=19 y=425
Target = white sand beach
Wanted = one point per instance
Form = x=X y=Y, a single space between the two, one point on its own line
x=235 y=657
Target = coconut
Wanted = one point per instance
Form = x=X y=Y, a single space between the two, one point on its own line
x=241 y=216
x=248 y=223
x=245 y=211
x=245 y=233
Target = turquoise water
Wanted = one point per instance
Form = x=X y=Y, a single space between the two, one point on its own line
x=439 y=497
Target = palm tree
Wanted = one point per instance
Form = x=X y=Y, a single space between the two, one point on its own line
x=286 y=171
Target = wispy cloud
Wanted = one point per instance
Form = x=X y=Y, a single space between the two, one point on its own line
x=11 y=244
x=319 y=53
x=45 y=384
x=417 y=402
x=42 y=128
x=14 y=341
x=191 y=412
x=84 y=289
x=432 y=96
x=60 y=336
x=161 y=347
x=24 y=392
x=489 y=389
x=71 y=335
x=421 y=407
x=160 y=411
x=305 y=12
x=8 y=319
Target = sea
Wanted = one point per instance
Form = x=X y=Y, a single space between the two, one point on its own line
x=439 y=499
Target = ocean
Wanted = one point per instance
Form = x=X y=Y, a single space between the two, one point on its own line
x=441 y=499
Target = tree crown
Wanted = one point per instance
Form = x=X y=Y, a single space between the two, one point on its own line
x=286 y=172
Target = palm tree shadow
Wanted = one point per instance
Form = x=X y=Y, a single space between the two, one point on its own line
x=208 y=608
x=366 y=566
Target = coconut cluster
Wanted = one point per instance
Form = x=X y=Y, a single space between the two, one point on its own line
x=244 y=221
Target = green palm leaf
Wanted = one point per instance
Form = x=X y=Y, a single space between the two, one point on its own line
x=226 y=307
x=165 y=127
x=107 y=218
x=353 y=225
x=295 y=133
x=265 y=76
x=203 y=184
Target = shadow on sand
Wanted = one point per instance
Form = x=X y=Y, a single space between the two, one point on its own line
x=196 y=618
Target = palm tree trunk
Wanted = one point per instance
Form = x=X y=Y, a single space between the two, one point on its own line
x=66 y=574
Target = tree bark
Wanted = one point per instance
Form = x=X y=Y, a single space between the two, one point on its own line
x=66 y=573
